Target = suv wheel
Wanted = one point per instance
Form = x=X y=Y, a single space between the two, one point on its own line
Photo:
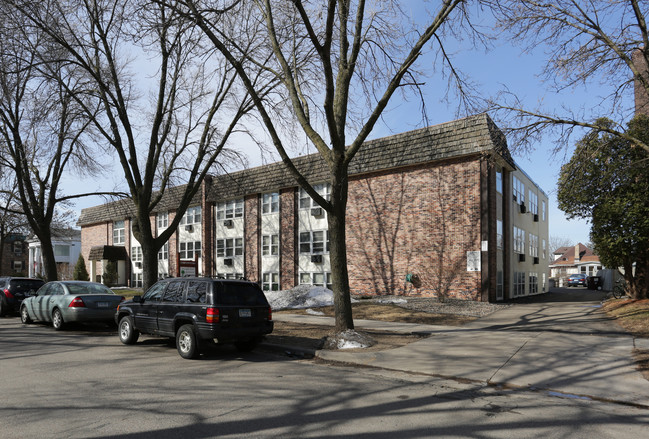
x=187 y=342
x=127 y=332
x=24 y=315
x=57 y=319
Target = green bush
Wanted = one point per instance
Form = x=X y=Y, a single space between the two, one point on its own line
x=110 y=273
x=80 y=272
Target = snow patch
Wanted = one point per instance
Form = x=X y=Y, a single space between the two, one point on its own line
x=300 y=297
x=349 y=339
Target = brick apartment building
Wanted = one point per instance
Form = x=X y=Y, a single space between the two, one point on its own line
x=13 y=261
x=438 y=211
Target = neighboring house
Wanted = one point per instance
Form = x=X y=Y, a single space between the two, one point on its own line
x=439 y=211
x=67 y=247
x=14 y=255
x=574 y=260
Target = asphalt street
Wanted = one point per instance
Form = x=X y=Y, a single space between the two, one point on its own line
x=83 y=383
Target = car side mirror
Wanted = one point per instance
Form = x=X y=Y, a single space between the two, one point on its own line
x=138 y=299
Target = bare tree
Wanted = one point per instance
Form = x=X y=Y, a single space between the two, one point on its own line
x=174 y=136
x=587 y=44
x=358 y=55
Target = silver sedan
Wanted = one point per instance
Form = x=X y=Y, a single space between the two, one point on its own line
x=70 y=301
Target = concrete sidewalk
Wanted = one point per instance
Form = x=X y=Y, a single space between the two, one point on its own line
x=561 y=343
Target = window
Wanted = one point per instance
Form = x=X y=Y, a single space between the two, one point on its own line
x=534 y=245
x=499 y=285
x=17 y=265
x=62 y=250
x=543 y=210
x=534 y=203
x=534 y=283
x=519 y=240
x=270 y=245
x=316 y=279
x=234 y=275
x=191 y=216
x=270 y=203
x=196 y=292
x=499 y=182
x=316 y=242
x=499 y=234
x=136 y=254
x=190 y=250
x=155 y=292
x=519 y=284
x=226 y=248
x=163 y=253
x=18 y=248
x=270 y=282
x=518 y=190
x=119 y=236
x=163 y=220
x=305 y=200
x=230 y=209
x=136 y=280
x=174 y=292
x=544 y=249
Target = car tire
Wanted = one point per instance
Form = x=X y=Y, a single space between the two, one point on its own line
x=187 y=342
x=3 y=307
x=24 y=315
x=247 y=345
x=127 y=332
x=57 y=319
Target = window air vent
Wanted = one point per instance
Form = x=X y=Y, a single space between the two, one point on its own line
x=521 y=257
x=228 y=223
x=227 y=262
x=316 y=259
x=189 y=228
x=316 y=211
x=523 y=208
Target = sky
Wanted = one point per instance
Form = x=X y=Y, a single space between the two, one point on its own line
x=503 y=65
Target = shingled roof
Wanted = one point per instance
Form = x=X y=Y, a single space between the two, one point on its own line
x=469 y=136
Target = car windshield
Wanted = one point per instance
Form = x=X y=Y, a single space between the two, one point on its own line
x=88 y=289
x=240 y=294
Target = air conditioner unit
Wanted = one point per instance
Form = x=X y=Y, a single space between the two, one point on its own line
x=521 y=257
x=316 y=259
x=228 y=223
x=316 y=211
x=523 y=208
x=227 y=261
x=138 y=265
x=189 y=228
x=536 y=217
x=536 y=260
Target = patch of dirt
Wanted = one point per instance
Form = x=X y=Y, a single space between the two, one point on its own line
x=642 y=359
x=633 y=316
x=313 y=336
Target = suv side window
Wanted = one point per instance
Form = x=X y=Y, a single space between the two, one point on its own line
x=174 y=292
x=155 y=292
x=197 y=292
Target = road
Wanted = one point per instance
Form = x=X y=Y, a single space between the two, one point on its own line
x=84 y=383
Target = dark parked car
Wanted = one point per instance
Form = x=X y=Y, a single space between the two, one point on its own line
x=13 y=291
x=198 y=310
x=576 y=280
x=64 y=302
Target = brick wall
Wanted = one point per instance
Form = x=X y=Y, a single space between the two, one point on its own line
x=9 y=256
x=420 y=221
x=288 y=238
x=97 y=234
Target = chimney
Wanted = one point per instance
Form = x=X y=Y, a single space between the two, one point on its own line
x=577 y=254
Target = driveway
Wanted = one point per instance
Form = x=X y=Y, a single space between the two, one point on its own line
x=560 y=342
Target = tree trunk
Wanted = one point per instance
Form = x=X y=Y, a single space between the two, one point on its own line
x=336 y=221
x=47 y=252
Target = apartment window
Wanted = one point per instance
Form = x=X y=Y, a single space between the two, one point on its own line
x=314 y=242
x=119 y=234
x=163 y=253
x=518 y=190
x=270 y=203
x=62 y=250
x=18 y=248
x=499 y=234
x=543 y=210
x=234 y=275
x=544 y=249
x=17 y=265
x=534 y=203
x=136 y=254
x=519 y=240
x=534 y=245
x=226 y=248
x=534 y=283
x=519 y=284
x=163 y=220
x=499 y=182
x=136 y=280
x=316 y=279
x=229 y=209
x=270 y=281
x=189 y=250
x=305 y=200
x=192 y=216
x=270 y=245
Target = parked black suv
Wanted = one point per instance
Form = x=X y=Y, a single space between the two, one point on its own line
x=13 y=290
x=198 y=310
